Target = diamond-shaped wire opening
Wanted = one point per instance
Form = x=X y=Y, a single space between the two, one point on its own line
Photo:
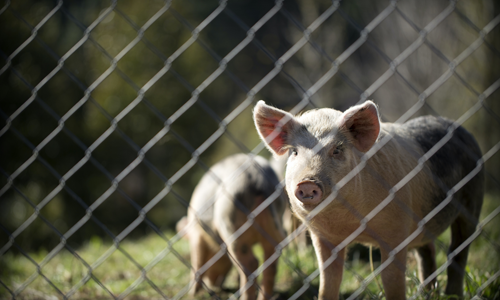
x=23 y=151
x=114 y=44
x=15 y=86
x=140 y=55
x=64 y=270
x=414 y=11
x=41 y=284
x=19 y=33
x=32 y=131
x=169 y=271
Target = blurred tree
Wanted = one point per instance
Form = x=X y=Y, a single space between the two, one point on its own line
x=89 y=61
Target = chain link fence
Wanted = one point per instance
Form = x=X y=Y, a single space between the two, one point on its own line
x=113 y=111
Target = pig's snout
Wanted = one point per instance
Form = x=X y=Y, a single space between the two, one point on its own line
x=308 y=192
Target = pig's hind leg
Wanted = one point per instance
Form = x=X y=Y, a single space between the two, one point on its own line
x=470 y=200
x=240 y=252
x=426 y=258
x=246 y=263
x=461 y=229
x=199 y=256
x=269 y=240
x=216 y=274
x=201 y=253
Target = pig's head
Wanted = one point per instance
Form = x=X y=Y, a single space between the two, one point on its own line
x=322 y=146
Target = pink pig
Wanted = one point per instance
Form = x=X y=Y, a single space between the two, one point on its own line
x=325 y=145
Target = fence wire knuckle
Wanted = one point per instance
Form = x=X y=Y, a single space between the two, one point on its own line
x=128 y=166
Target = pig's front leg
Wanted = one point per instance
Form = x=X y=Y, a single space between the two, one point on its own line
x=330 y=272
x=393 y=276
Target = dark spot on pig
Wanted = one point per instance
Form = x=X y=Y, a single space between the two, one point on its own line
x=458 y=156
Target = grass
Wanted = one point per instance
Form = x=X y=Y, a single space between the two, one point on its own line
x=170 y=275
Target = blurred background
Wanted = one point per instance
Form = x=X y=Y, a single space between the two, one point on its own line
x=111 y=107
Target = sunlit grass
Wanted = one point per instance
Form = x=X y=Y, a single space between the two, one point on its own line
x=170 y=275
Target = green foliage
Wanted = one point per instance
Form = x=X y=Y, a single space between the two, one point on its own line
x=170 y=275
x=169 y=271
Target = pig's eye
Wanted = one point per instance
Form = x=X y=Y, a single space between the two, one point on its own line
x=336 y=151
x=294 y=152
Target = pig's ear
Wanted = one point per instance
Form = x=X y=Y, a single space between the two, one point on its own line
x=274 y=126
x=362 y=123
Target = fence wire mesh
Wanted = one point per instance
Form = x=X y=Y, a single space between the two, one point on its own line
x=112 y=112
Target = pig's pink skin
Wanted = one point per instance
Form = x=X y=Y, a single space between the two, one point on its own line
x=324 y=145
x=221 y=202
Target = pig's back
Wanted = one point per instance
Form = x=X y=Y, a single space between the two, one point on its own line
x=237 y=177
